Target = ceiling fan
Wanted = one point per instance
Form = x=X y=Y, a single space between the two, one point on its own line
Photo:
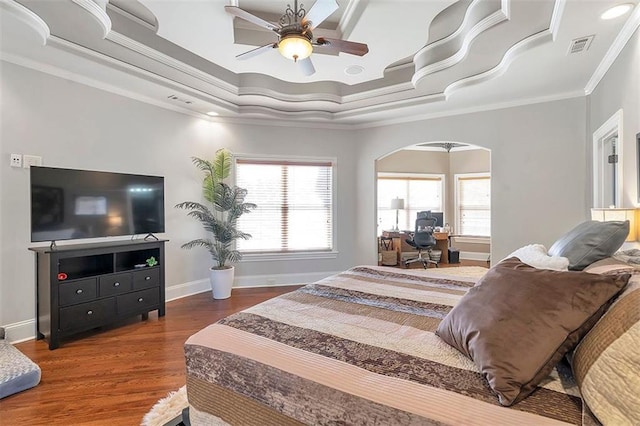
x=295 y=37
x=448 y=146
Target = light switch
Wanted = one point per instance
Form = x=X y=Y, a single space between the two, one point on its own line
x=31 y=160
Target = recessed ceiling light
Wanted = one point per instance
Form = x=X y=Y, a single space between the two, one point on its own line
x=616 y=11
x=353 y=70
x=212 y=113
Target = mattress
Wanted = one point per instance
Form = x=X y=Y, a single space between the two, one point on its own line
x=356 y=348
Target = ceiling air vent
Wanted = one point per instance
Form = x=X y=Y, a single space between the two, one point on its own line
x=580 y=44
x=178 y=99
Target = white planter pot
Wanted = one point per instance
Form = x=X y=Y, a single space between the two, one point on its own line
x=221 y=282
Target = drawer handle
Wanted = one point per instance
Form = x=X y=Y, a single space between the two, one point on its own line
x=89 y=312
x=140 y=300
x=116 y=284
x=79 y=291
x=147 y=278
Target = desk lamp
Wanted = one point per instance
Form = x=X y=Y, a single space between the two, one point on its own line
x=397 y=204
x=632 y=215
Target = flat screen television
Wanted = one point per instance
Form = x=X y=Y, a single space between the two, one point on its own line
x=71 y=204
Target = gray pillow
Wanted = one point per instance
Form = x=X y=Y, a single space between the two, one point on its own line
x=589 y=242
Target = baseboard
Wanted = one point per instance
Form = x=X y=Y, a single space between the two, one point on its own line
x=474 y=255
x=179 y=291
x=20 y=331
x=26 y=330
x=279 y=279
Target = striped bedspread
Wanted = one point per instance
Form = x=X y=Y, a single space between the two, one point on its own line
x=357 y=348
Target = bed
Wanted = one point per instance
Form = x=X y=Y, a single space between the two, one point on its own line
x=357 y=348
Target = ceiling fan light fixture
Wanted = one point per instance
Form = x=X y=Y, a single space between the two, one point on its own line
x=295 y=47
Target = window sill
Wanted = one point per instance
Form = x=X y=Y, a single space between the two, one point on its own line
x=273 y=256
x=471 y=239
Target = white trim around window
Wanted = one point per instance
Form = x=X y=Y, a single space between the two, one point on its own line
x=458 y=230
x=284 y=255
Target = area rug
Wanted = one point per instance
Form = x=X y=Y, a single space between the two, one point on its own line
x=166 y=409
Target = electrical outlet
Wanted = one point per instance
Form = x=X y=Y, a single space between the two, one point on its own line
x=16 y=160
x=31 y=160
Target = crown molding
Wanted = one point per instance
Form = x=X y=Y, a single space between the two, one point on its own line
x=471 y=110
x=97 y=13
x=440 y=47
x=81 y=79
x=556 y=17
x=157 y=56
x=26 y=16
x=616 y=47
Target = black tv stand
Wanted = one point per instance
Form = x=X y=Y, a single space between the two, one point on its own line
x=85 y=286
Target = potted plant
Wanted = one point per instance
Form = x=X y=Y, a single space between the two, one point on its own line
x=219 y=216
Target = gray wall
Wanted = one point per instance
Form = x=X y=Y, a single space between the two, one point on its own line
x=75 y=126
x=620 y=88
x=538 y=168
x=412 y=161
x=540 y=165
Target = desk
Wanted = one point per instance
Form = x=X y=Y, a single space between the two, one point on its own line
x=400 y=245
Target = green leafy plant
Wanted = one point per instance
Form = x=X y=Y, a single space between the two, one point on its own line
x=219 y=216
x=152 y=261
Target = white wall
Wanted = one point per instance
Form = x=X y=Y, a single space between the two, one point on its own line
x=539 y=169
x=75 y=126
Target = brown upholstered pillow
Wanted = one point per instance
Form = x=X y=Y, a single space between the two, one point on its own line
x=519 y=321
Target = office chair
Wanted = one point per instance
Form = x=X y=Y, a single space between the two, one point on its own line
x=423 y=240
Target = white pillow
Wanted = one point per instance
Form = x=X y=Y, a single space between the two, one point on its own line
x=536 y=255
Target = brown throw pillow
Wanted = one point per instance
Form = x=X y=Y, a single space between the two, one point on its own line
x=519 y=321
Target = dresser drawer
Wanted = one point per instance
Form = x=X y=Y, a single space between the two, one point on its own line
x=146 y=278
x=87 y=315
x=113 y=284
x=73 y=292
x=139 y=301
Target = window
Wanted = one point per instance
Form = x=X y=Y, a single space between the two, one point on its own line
x=420 y=192
x=295 y=205
x=473 y=204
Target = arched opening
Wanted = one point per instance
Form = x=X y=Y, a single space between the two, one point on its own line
x=452 y=180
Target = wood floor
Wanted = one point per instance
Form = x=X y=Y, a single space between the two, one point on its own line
x=114 y=375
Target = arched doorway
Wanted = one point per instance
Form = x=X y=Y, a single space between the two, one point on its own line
x=451 y=179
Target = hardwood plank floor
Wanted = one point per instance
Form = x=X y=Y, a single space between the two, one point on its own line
x=113 y=376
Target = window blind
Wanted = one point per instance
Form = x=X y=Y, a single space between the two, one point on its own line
x=295 y=205
x=474 y=205
x=419 y=194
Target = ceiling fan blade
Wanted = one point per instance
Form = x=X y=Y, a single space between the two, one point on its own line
x=243 y=14
x=320 y=11
x=255 y=52
x=306 y=66
x=350 y=47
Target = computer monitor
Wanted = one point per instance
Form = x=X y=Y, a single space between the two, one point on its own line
x=440 y=218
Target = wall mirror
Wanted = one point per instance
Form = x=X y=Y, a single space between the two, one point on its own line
x=607 y=163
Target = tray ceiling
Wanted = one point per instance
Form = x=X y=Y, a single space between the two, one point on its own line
x=425 y=57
